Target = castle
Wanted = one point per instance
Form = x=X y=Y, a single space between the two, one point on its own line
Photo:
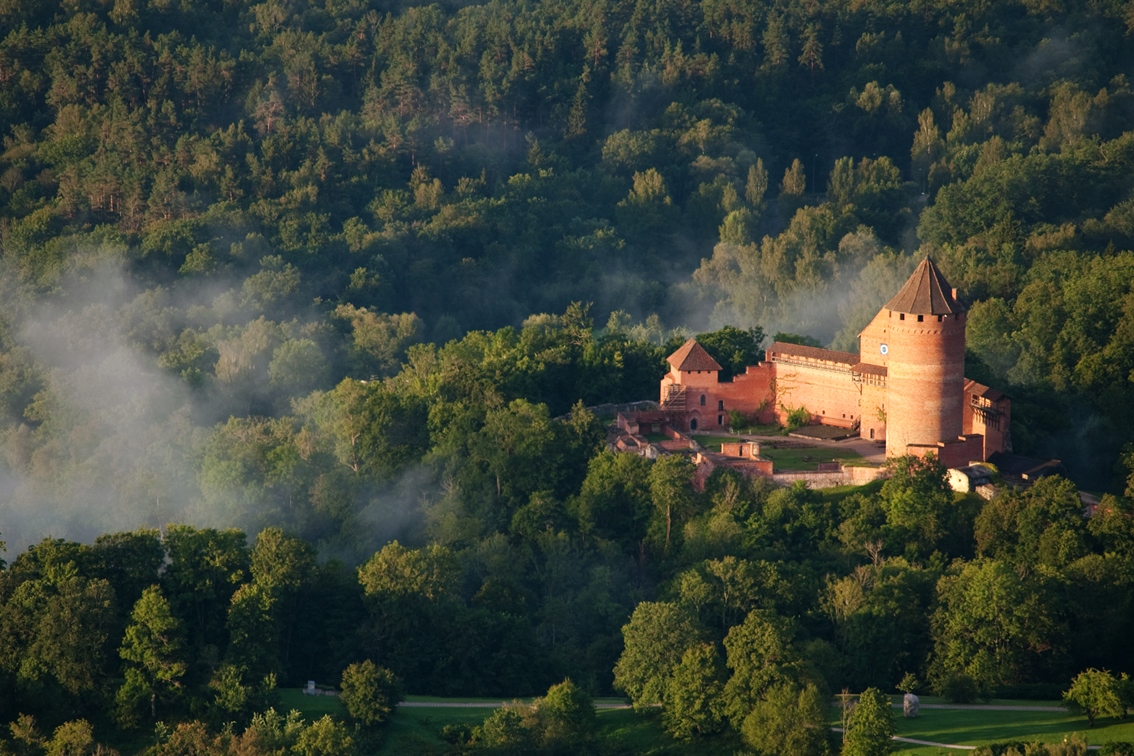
x=906 y=386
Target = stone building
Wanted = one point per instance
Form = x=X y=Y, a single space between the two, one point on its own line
x=906 y=386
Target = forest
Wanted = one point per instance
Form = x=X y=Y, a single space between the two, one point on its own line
x=302 y=305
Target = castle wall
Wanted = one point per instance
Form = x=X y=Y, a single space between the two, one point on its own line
x=707 y=403
x=991 y=417
x=960 y=452
x=826 y=390
x=926 y=377
x=872 y=405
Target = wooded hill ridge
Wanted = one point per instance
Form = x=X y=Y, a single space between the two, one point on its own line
x=318 y=271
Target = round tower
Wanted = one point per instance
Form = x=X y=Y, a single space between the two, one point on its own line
x=925 y=362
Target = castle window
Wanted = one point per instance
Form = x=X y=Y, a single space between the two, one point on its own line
x=720 y=419
x=720 y=404
x=872 y=433
x=702 y=400
x=693 y=424
x=938 y=318
x=901 y=316
x=920 y=318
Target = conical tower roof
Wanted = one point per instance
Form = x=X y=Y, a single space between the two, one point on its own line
x=926 y=293
x=692 y=356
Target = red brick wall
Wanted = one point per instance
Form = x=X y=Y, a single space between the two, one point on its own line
x=926 y=380
x=749 y=393
x=873 y=407
x=830 y=395
x=996 y=439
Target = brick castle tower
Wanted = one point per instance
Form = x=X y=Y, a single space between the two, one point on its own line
x=922 y=345
x=906 y=386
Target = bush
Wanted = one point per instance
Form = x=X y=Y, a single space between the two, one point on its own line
x=1032 y=691
x=370 y=693
x=797 y=418
x=958 y=687
x=1075 y=746
x=1001 y=749
x=1116 y=748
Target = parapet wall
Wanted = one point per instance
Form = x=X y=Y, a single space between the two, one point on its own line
x=847 y=476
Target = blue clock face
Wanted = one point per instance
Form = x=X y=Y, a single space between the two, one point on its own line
x=884 y=349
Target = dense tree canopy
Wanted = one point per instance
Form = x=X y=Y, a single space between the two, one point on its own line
x=296 y=350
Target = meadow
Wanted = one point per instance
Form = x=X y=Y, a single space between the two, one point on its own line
x=418 y=729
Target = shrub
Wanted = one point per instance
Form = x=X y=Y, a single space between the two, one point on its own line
x=1116 y=748
x=370 y=693
x=957 y=687
x=797 y=418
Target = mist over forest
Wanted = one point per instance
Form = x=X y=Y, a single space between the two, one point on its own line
x=302 y=306
x=212 y=215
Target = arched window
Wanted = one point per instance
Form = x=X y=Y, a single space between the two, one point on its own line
x=693 y=424
x=702 y=400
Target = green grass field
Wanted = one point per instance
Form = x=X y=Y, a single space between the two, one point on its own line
x=971 y=727
x=311 y=707
x=713 y=443
x=417 y=730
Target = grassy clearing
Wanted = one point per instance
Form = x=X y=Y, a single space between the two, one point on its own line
x=713 y=443
x=471 y=699
x=624 y=731
x=981 y=727
x=311 y=707
x=418 y=730
x=787 y=460
x=836 y=494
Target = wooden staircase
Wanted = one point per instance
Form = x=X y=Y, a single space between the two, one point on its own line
x=674 y=399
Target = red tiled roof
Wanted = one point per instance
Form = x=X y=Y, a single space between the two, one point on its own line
x=692 y=356
x=926 y=293
x=814 y=353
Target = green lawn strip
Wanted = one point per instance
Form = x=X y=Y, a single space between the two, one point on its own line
x=982 y=726
x=620 y=731
x=713 y=443
x=311 y=707
x=624 y=731
x=806 y=459
x=468 y=699
x=418 y=730
x=938 y=700
x=835 y=494
x=654 y=438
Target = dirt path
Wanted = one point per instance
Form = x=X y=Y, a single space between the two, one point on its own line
x=990 y=707
x=915 y=741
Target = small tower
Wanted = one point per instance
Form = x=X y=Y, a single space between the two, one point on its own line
x=925 y=359
x=689 y=388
